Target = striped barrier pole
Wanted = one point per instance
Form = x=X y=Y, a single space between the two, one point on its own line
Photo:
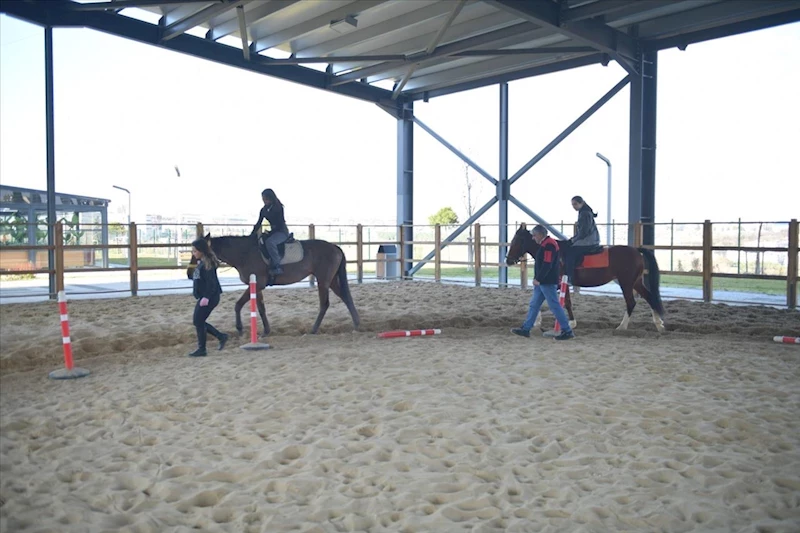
x=254 y=344
x=562 y=296
x=787 y=340
x=69 y=371
x=409 y=333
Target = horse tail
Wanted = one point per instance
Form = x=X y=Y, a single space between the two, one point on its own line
x=653 y=280
x=344 y=289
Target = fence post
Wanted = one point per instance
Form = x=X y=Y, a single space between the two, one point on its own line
x=791 y=266
x=133 y=258
x=708 y=259
x=739 y=251
x=523 y=272
x=58 y=241
x=360 y=253
x=671 y=242
x=311 y=237
x=437 y=250
x=401 y=243
x=199 y=230
x=637 y=234
x=478 y=255
x=613 y=232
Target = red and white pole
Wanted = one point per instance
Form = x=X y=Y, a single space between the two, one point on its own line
x=562 y=296
x=408 y=333
x=69 y=372
x=787 y=340
x=254 y=344
x=65 y=340
x=253 y=310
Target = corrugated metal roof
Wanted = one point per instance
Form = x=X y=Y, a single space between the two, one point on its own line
x=414 y=49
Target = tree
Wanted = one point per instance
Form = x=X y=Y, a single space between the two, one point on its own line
x=445 y=217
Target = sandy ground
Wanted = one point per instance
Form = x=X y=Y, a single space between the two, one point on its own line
x=473 y=430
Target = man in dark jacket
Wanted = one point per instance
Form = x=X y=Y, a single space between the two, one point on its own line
x=545 y=283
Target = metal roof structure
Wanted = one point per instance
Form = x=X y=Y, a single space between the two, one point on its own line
x=396 y=52
x=384 y=50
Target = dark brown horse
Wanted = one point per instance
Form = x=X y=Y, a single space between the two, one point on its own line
x=323 y=260
x=626 y=264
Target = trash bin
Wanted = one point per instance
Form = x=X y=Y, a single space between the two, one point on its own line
x=387 y=266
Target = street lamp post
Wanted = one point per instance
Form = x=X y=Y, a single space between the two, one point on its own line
x=608 y=204
x=129 y=201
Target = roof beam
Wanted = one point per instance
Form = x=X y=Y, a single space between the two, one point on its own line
x=602 y=7
x=714 y=15
x=258 y=12
x=727 y=30
x=183 y=25
x=123 y=4
x=375 y=30
x=457 y=87
x=522 y=29
x=57 y=15
x=431 y=47
x=240 y=16
x=618 y=45
x=267 y=41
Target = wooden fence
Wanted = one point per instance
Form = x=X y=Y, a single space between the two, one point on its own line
x=478 y=262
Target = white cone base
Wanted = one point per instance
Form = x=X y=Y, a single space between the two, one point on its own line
x=254 y=346
x=63 y=373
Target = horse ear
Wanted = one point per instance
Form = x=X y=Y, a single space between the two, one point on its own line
x=523 y=226
x=208 y=236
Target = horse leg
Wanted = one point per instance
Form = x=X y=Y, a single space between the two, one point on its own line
x=238 y=309
x=630 y=301
x=568 y=307
x=348 y=301
x=324 y=302
x=641 y=289
x=538 y=322
x=263 y=312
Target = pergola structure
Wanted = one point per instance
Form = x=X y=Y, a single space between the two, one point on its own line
x=396 y=52
x=30 y=202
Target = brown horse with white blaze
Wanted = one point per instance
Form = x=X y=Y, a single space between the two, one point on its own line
x=321 y=259
x=626 y=264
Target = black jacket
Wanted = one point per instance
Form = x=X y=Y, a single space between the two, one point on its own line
x=274 y=215
x=206 y=283
x=546 y=266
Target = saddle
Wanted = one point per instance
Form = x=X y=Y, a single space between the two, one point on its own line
x=594 y=258
x=290 y=251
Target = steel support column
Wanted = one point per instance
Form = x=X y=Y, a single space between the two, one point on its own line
x=635 y=157
x=503 y=186
x=405 y=181
x=51 y=165
x=648 y=157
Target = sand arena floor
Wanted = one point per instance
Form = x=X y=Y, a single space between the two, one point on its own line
x=474 y=430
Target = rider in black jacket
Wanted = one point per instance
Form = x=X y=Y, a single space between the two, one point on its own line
x=272 y=212
x=206 y=290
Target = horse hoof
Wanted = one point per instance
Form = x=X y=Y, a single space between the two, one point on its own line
x=573 y=324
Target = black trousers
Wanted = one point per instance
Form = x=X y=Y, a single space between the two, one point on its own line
x=573 y=256
x=201 y=314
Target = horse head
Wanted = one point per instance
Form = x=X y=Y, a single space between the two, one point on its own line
x=521 y=244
